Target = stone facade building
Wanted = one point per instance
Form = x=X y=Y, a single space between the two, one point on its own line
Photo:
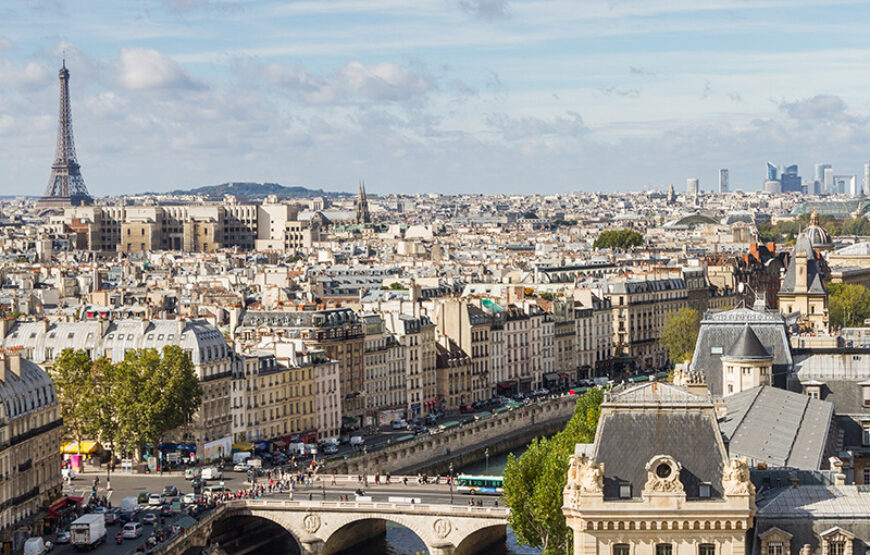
x=30 y=437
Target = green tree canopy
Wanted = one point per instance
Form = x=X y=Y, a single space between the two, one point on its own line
x=158 y=392
x=680 y=334
x=533 y=483
x=849 y=304
x=618 y=239
x=73 y=384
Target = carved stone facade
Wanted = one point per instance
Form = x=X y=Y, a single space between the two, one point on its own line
x=658 y=480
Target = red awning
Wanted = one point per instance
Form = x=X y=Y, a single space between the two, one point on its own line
x=76 y=500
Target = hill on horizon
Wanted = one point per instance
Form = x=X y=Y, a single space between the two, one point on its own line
x=252 y=190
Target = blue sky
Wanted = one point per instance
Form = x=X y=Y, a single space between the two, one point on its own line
x=434 y=95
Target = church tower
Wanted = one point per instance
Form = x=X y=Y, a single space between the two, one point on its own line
x=362 y=206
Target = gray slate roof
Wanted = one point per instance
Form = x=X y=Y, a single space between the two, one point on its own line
x=720 y=330
x=814 y=275
x=634 y=428
x=777 y=427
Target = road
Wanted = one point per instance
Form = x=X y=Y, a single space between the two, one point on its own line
x=125 y=485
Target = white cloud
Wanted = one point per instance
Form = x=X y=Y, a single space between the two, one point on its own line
x=6 y=44
x=486 y=9
x=383 y=82
x=148 y=69
x=28 y=76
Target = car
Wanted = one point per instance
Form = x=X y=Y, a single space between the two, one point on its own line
x=240 y=468
x=193 y=510
x=330 y=449
x=63 y=536
x=142 y=498
x=166 y=510
x=431 y=419
x=155 y=499
x=170 y=491
x=128 y=517
x=99 y=510
x=112 y=517
x=189 y=498
x=465 y=409
x=149 y=518
x=132 y=530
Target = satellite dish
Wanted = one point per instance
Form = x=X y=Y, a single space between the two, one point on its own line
x=741 y=287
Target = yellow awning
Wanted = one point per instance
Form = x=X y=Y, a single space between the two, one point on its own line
x=88 y=447
x=243 y=446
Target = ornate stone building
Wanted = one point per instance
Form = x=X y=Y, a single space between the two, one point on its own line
x=673 y=492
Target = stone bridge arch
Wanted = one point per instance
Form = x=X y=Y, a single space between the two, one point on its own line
x=325 y=528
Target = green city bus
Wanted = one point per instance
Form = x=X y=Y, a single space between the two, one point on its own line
x=479 y=485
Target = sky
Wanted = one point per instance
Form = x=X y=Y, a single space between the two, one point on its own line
x=445 y=96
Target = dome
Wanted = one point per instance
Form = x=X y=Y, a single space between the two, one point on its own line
x=818 y=237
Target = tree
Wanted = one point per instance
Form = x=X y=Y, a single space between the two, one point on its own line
x=533 y=483
x=618 y=239
x=680 y=334
x=849 y=304
x=158 y=392
x=73 y=384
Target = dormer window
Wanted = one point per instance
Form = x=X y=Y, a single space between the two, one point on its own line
x=704 y=490
x=625 y=490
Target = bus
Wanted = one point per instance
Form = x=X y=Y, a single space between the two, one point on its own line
x=479 y=485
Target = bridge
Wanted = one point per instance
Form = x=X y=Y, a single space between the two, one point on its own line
x=328 y=527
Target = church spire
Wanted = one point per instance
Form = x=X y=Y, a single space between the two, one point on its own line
x=362 y=206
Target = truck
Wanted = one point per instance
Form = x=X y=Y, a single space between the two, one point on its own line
x=130 y=504
x=88 y=531
x=211 y=473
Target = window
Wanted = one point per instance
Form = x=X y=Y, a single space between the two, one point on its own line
x=707 y=549
x=621 y=549
x=865 y=435
x=704 y=490
x=837 y=547
x=866 y=390
x=664 y=549
x=867 y=476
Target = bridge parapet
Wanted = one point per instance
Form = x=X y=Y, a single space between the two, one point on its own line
x=325 y=527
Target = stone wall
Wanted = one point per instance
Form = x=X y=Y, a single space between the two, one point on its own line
x=465 y=444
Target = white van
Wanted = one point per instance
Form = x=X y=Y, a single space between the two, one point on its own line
x=211 y=473
x=35 y=546
x=357 y=440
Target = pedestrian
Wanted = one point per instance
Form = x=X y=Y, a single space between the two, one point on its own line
x=333 y=478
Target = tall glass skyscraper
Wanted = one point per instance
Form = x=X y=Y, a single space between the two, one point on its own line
x=772 y=172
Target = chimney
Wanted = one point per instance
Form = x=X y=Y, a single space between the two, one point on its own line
x=14 y=359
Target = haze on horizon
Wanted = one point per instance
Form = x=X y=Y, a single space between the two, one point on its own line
x=448 y=96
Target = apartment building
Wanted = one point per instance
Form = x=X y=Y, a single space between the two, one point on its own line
x=30 y=437
x=384 y=372
x=337 y=331
x=41 y=342
x=454 y=375
x=639 y=308
x=469 y=327
x=417 y=336
x=190 y=227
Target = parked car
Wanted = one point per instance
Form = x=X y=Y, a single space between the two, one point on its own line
x=170 y=491
x=149 y=518
x=330 y=449
x=155 y=499
x=465 y=409
x=132 y=530
x=62 y=537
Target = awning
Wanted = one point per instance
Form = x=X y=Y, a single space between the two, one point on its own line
x=168 y=446
x=551 y=377
x=88 y=447
x=261 y=445
x=243 y=446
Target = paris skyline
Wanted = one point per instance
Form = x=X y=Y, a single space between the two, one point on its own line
x=439 y=96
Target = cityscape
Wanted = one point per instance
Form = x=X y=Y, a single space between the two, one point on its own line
x=194 y=362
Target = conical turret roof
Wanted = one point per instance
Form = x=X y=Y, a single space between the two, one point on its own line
x=748 y=347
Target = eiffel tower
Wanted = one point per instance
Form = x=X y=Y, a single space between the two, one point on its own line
x=65 y=186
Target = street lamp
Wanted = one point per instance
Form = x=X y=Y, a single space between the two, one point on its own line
x=486 y=454
x=450 y=474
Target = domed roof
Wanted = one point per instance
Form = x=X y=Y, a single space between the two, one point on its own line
x=818 y=237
